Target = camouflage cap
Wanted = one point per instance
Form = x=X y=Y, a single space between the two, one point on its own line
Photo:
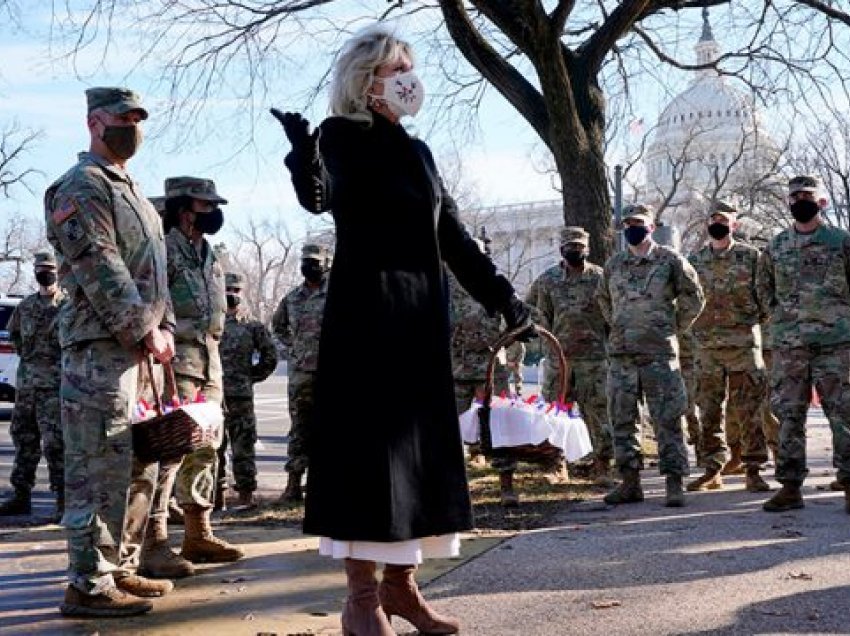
x=639 y=211
x=575 y=234
x=803 y=183
x=724 y=209
x=314 y=251
x=195 y=187
x=158 y=204
x=44 y=259
x=234 y=280
x=115 y=101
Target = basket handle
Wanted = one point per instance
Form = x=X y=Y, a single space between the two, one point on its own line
x=508 y=338
x=169 y=380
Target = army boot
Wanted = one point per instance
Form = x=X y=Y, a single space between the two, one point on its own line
x=140 y=586
x=734 y=466
x=711 y=480
x=199 y=544
x=293 y=493
x=18 y=504
x=675 y=496
x=754 y=481
x=110 y=602
x=788 y=498
x=246 y=500
x=158 y=560
x=508 y=497
x=629 y=490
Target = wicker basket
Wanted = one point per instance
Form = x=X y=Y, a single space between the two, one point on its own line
x=544 y=453
x=168 y=436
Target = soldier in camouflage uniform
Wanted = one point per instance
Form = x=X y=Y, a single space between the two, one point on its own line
x=809 y=294
x=515 y=355
x=33 y=327
x=243 y=338
x=647 y=295
x=729 y=365
x=687 y=348
x=112 y=263
x=473 y=331
x=196 y=284
x=565 y=298
x=297 y=322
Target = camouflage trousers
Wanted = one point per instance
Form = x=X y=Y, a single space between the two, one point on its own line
x=793 y=374
x=192 y=480
x=660 y=381
x=692 y=424
x=300 y=388
x=770 y=423
x=99 y=389
x=734 y=377
x=36 y=425
x=465 y=392
x=590 y=378
x=240 y=425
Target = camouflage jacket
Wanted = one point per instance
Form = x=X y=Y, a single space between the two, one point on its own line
x=566 y=305
x=243 y=337
x=109 y=242
x=647 y=300
x=197 y=295
x=297 y=322
x=733 y=281
x=34 y=328
x=473 y=331
x=808 y=287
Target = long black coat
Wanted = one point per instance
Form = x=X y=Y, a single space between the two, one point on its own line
x=387 y=460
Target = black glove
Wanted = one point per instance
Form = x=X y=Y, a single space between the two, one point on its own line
x=517 y=315
x=297 y=130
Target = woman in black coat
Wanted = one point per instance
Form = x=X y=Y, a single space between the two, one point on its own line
x=387 y=481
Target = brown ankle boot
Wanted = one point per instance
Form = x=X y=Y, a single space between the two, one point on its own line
x=629 y=491
x=158 y=560
x=734 y=466
x=788 y=498
x=506 y=490
x=754 y=481
x=199 y=544
x=712 y=480
x=363 y=615
x=400 y=596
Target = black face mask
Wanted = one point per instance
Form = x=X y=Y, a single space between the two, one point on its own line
x=209 y=222
x=45 y=279
x=574 y=257
x=804 y=210
x=635 y=234
x=718 y=231
x=233 y=300
x=123 y=141
x=312 y=271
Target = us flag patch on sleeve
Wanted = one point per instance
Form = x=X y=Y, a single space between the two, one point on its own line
x=65 y=211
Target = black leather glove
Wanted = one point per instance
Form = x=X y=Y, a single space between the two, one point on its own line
x=517 y=315
x=297 y=130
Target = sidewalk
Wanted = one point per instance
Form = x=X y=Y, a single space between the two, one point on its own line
x=718 y=566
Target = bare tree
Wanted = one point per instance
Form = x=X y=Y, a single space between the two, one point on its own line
x=20 y=236
x=15 y=143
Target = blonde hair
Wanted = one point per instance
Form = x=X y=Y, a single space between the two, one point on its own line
x=355 y=69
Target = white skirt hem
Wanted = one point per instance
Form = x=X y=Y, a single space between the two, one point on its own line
x=411 y=552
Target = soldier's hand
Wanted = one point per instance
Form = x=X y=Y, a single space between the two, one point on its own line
x=296 y=127
x=160 y=343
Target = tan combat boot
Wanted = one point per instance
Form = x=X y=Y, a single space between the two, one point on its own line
x=143 y=587
x=508 y=497
x=754 y=481
x=675 y=497
x=788 y=498
x=711 y=480
x=293 y=493
x=362 y=614
x=199 y=544
x=734 y=466
x=629 y=490
x=400 y=596
x=110 y=602
x=158 y=560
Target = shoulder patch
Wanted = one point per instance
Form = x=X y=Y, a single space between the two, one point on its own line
x=65 y=211
x=72 y=229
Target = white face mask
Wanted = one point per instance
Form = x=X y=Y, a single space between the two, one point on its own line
x=403 y=93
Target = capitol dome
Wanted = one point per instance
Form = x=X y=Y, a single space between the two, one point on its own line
x=707 y=143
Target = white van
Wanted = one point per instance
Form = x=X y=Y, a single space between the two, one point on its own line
x=8 y=355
